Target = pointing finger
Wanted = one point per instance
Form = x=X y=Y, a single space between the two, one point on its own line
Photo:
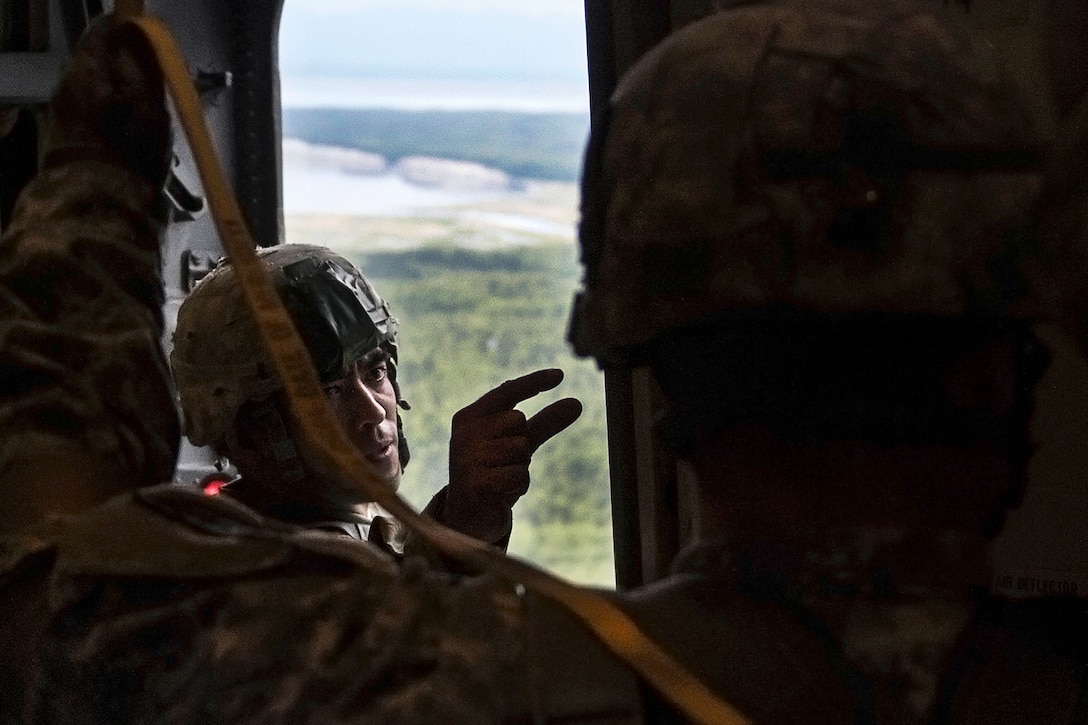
x=512 y=392
x=551 y=420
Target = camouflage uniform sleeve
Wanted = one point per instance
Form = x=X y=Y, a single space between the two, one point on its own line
x=80 y=323
x=84 y=390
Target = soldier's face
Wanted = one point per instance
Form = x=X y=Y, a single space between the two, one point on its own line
x=941 y=450
x=365 y=403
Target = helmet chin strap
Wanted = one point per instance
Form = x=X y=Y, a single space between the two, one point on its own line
x=402 y=442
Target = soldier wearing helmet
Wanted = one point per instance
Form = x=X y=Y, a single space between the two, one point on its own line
x=820 y=226
x=233 y=401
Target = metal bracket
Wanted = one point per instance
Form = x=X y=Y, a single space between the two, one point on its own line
x=196 y=264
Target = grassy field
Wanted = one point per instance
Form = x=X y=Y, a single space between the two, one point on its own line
x=476 y=226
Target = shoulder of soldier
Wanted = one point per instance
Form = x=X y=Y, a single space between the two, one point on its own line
x=173 y=532
x=224 y=615
x=743 y=640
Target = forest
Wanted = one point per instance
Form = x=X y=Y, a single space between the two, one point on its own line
x=471 y=319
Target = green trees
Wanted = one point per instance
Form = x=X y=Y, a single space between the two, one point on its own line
x=470 y=320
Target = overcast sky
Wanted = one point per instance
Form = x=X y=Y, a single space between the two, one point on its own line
x=541 y=40
x=571 y=8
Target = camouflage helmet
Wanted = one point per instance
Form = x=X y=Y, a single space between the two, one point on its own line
x=832 y=158
x=218 y=360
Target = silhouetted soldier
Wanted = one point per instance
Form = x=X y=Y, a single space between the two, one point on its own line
x=821 y=227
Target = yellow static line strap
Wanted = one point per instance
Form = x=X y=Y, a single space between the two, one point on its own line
x=338 y=458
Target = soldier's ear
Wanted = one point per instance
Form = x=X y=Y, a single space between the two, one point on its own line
x=255 y=433
x=260 y=446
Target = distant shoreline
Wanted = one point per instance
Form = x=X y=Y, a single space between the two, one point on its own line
x=322 y=182
x=540 y=146
x=424 y=171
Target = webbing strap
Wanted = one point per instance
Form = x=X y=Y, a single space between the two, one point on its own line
x=338 y=458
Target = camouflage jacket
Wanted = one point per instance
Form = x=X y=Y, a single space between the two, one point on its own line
x=81 y=370
x=169 y=606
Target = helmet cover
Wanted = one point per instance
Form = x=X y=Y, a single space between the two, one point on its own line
x=719 y=179
x=218 y=359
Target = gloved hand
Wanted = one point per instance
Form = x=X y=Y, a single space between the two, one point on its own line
x=110 y=104
x=491 y=445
